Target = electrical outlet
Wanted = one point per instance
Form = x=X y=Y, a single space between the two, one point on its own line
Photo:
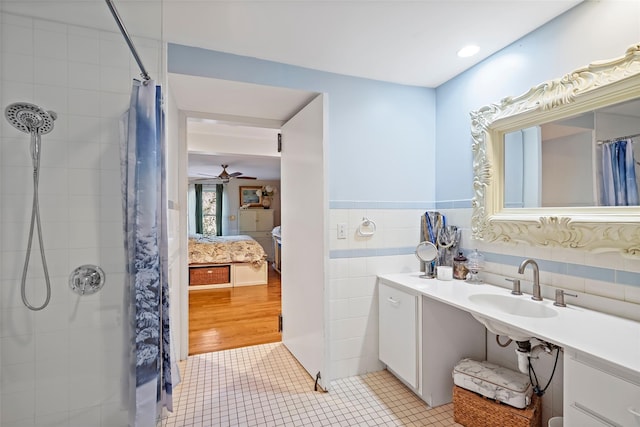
x=342 y=230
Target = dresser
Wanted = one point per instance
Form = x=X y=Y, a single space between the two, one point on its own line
x=258 y=223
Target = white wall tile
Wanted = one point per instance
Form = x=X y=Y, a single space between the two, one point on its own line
x=17 y=68
x=90 y=416
x=362 y=306
x=111 y=208
x=54 y=153
x=50 y=71
x=85 y=129
x=84 y=102
x=83 y=75
x=110 y=182
x=84 y=234
x=113 y=51
x=17 y=39
x=78 y=257
x=114 y=79
x=339 y=309
x=83 y=182
x=50 y=44
x=632 y=294
x=18 y=377
x=110 y=157
x=113 y=105
x=16 y=406
x=41 y=24
x=55 y=206
x=84 y=48
x=53 y=181
x=604 y=289
x=338 y=289
x=17 y=348
x=111 y=234
x=357 y=267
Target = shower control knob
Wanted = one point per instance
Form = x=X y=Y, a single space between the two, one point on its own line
x=86 y=279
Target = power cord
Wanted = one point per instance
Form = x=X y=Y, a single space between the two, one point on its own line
x=536 y=386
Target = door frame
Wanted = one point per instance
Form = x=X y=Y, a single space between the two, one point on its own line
x=184 y=115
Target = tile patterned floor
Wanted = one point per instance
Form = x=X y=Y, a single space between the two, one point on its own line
x=265 y=386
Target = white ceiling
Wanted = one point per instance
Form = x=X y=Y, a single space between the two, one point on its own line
x=409 y=42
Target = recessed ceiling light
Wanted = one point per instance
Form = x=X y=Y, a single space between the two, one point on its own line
x=468 y=51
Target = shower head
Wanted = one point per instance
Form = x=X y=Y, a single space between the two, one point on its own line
x=30 y=118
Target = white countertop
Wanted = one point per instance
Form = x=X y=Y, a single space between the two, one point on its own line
x=610 y=338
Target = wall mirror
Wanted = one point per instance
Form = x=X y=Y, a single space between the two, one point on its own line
x=560 y=164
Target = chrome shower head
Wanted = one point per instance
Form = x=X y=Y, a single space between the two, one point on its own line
x=30 y=118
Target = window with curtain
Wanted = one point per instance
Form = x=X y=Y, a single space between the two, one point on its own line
x=209 y=209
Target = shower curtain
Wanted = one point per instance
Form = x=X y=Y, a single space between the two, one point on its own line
x=148 y=381
x=619 y=186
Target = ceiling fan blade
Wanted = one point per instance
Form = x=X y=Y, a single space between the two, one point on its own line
x=235 y=174
x=246 y=177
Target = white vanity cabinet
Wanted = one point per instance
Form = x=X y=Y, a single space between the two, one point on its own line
x=258 y=223
x=398 y=329
x=421 y=340
x=598 y=394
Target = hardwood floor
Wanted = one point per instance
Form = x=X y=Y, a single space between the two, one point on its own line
x=220 y=319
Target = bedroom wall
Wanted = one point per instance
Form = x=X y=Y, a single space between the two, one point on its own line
x=231 y=204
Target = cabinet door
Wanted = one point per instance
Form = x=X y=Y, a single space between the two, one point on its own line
x=264 y=220
x=247 y=220
x=398 y=341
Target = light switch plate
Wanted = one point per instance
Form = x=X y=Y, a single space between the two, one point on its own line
x=342 y=230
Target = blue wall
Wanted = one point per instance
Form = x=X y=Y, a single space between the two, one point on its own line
x=591 y=31
x=381 y=143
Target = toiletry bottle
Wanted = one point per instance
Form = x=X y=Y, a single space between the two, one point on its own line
x=460 y=266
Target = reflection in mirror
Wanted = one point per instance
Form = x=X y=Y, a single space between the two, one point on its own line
x=568 y=146
x=589 y=159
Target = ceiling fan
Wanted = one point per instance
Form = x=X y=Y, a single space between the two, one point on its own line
x=225 y=176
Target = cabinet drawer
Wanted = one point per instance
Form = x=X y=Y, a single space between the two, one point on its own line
x=398 y=340
x=576 y=417
x=209 y=275
x=602 y=395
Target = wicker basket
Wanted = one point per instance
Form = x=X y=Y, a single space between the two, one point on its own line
x=473 y=410
x=209 y=275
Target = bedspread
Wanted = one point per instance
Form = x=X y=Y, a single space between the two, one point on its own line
x=225 y=250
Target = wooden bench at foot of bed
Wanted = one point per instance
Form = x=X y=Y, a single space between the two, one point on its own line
x=208 y=276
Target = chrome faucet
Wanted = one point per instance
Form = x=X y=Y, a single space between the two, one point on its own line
x=536 y=277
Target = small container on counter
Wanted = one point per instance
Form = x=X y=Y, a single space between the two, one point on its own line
x=460 y=266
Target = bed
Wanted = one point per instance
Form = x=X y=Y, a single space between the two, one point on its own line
x=226 y=261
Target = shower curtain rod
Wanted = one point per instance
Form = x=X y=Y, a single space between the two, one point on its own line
x=605 y=141
x=125 y=34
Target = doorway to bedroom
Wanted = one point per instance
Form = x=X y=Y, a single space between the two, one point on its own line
x=234 y=207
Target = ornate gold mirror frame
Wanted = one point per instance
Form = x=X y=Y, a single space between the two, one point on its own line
x=598 y=229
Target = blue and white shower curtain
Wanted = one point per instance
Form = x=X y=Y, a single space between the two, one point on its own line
x=619 y=186
x=148 y=382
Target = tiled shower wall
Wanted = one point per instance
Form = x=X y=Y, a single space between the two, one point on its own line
x=62 y=365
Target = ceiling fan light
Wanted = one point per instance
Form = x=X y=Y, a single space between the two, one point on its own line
x=468 y=51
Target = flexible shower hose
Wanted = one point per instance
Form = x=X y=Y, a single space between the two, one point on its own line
x=35 y=220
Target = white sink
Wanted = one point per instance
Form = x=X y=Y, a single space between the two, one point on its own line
x=516 y=306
